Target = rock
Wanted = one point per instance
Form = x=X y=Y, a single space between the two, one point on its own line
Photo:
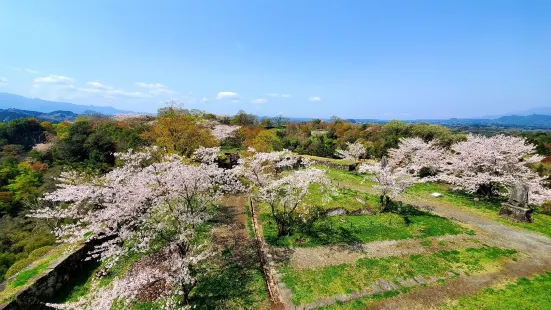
x=517 y=207
x=420 y=280
x=321 y=302
x=376 y=288
x=411 y=282
x=336 y=212
x=343 y=298
x=394 y=285
x=403 y=282
x=435 y=194
x=330 y=301
x=310 y=306
x=385 y=285
x=362 y=211
x=354 y=295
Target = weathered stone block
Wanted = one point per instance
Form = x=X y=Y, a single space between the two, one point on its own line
x=376 y=288
x=385 y=285
x=516 y=213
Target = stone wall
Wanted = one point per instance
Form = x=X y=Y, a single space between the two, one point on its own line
x=46 y=286
x=350 y=167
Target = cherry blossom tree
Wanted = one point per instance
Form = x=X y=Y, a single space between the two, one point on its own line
x=151 y=203
x=220 y=131
x=486 y=164
x=354 y=151
x=284 y=193
x=285 y=196
x=261 y=167
x=391 y=182
x=417 y=156
x=207 y=155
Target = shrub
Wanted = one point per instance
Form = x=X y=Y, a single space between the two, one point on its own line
x=24 y=263
x=546 y=208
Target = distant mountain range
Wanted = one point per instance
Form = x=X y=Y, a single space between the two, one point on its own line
x=535 y=118
x=534 y=121
x=10 y=101
x=54 y=117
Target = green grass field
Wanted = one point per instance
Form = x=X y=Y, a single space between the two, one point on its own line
x=329 y=160
x=348 y=199
x=309 y=284
x=362 y=229
x=533 y=293
x=411 y=223
x=485 y=207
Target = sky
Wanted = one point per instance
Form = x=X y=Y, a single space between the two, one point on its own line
x=385 y=59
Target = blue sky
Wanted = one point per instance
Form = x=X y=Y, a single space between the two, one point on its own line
x=362 y=59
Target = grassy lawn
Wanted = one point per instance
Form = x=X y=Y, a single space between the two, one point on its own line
x=484 y=207
x=487 y=208
x=348 y=199
x=329 y=160
x=363 y=228
x=524 y=294
x=25 y=277
x=350 y=177
x=309 y=284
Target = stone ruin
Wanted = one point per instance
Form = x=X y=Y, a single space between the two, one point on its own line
x=516 y=208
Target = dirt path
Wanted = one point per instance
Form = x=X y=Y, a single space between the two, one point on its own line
x=347 y=254
x=233 y=234
x=536 y=246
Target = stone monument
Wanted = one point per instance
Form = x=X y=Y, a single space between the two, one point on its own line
x=516 y=207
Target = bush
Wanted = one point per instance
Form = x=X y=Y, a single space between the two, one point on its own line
x=546 y=208
x=24 y=263
x=38 y=253
x=18 y=266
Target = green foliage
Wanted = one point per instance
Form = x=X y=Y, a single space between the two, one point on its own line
x=523 y=294
x=308 y=284
x=18 y=239
x=25 y=132
x=91 y=142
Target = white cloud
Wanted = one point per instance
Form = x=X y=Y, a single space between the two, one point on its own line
x=3 y=80
x=204 y=99
x=276 y=95
x=120 y=92
x=259 y=100
x=314 y=99
x=98 y=85
x=90 y=90
x=227 y=95
x=54 y=79
x=155 y=88
x=235 y=101
x=31 y=71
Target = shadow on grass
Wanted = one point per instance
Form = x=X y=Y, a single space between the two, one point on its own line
x=230 y=286
x=77 y=284
x=401 y=222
